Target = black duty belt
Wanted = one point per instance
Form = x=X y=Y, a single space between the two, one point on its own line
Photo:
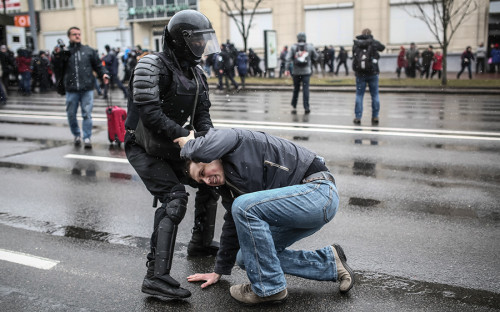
x=322 y=175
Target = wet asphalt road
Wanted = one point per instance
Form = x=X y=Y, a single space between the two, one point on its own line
x=418 y=217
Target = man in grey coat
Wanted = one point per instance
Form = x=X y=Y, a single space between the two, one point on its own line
x=300 y=56
x=275 y=193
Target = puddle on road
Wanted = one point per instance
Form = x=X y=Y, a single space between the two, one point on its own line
x=413 y=287
x=77 y=170
x=72 y=231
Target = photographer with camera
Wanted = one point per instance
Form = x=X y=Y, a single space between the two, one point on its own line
x=77 y=65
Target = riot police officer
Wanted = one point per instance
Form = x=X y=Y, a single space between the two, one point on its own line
x=168 y=89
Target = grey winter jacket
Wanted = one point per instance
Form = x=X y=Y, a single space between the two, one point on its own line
x=252 y=161
x=79 y=74
x=301 y=70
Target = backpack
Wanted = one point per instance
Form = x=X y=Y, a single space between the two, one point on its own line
x=363 y=56
x=301 y=57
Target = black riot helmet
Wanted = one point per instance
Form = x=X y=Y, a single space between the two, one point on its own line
x=190 y=35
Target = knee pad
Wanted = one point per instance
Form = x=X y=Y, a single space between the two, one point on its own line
x=176 y=209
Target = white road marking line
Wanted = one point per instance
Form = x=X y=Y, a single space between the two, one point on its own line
x=26 y=259
x=374 y=133
x=382 y=131
x=97 y=158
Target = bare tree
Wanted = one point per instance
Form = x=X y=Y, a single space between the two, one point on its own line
x=443 y=20
x=236 y=10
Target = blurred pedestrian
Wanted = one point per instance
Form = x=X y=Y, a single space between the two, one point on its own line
x=79 y=81
x=23 y=62
x=8 y=64
x=300 y=56
x=402 y=63
x=467 y=58
x=495 y=58
x=480 y=58
x=227 y=69
x=329 y=60
x=412 y=57
x=437 y=64
x=40 y=71
x=427 y=57
x=111 y=63
x=242 y=66
x=365 y=65
x=342 y=60
x=254 y=63
x=283 y=54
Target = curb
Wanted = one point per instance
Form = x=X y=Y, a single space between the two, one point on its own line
x=382 y=89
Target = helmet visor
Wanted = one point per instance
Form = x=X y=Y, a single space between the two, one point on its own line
x=202 y=42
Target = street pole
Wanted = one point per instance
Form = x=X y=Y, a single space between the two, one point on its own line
x=34 y=34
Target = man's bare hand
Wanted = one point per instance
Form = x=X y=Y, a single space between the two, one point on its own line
x=209 y=278
x=105 y=78
x=183 y=140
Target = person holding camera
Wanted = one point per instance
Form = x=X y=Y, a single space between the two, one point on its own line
x=78 y=65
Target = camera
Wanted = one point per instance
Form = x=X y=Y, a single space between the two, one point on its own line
x=60 y=43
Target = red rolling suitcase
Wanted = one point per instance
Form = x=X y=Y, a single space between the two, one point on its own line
x=116 y=122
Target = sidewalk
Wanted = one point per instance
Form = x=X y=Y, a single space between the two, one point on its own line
x=280 y=86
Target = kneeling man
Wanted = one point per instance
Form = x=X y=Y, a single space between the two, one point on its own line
x=275 y=193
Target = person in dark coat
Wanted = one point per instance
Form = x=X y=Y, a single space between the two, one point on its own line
x=342 y=60
x=8 y=64
x=427 y=57
x=275 y=193
x=254 y=63
x=242 y=66
x=111 y=63
x=467 y=58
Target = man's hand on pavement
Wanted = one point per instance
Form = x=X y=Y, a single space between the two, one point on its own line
x=209 y=278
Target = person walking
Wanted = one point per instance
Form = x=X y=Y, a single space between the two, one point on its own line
x=365 y=65
x=437 y=64
x=283 y=54
x=495 y=58
x=23 y=63
x=342 y=60
x=427 y=57
x=275 y=193
x=227 y=69
x=254 y=62
x=111 y=63
x=412 y=57
x=480 y=58
x=8 y=64
x=242 y=66
x=166 y=90
x=402 y=63
x=79 y=82
x=300 y=56
x=467 y=58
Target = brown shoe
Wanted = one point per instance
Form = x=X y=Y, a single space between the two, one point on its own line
x=244 y=294
x=345 y=275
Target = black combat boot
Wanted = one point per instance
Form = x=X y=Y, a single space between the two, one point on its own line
x=197 y=247
x=163 y=286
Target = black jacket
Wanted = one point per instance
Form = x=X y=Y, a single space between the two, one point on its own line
x=363 y=40
x=253 y=161
x=80 y=66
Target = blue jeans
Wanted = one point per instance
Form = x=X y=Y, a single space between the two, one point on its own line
x=25 y=83
x=269 y=221
x=304 y=79
x=372 y=82
x=86 y=99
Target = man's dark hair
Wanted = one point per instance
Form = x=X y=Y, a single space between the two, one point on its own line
x=71 y=28
x=366 y=32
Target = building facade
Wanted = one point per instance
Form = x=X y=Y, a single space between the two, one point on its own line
x=127 y=23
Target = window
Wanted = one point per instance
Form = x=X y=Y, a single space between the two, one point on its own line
x=262 y=20
x=405 y=28
x=104 y=2
x=57 y=4
x=331 y=24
